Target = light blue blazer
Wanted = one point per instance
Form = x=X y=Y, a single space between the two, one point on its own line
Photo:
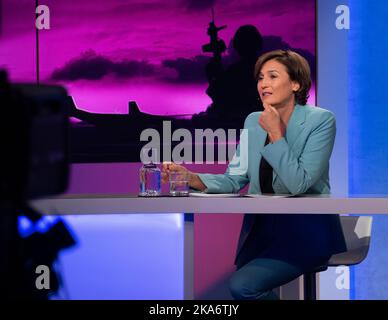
x=300 y=160
x=300 y=163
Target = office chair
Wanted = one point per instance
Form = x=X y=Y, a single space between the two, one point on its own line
x=357 y=232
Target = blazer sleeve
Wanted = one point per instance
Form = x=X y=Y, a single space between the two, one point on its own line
x=299 y=174
x=236 y=176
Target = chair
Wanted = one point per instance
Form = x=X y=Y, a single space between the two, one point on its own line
x=357 y=232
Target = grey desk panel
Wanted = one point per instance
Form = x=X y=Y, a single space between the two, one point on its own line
x=129 y=203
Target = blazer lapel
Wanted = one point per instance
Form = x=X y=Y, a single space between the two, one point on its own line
x=295 y=124
x=257 y=142
x=294 y=128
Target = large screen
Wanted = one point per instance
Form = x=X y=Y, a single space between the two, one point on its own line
x=130 y=65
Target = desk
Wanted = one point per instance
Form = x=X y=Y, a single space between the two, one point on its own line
x=130 y=203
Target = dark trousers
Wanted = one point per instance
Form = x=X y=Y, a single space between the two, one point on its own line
x=256 y=279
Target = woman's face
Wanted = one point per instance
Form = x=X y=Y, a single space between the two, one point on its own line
x=275 y=86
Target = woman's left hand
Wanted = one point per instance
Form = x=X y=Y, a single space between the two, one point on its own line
x=270 y=121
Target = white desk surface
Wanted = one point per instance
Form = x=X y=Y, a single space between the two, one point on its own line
x=130 y=203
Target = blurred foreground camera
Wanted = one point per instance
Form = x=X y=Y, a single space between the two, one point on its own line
x=34 y=164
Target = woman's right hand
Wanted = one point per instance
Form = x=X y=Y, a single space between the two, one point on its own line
x=168 y=167
x=194 y=180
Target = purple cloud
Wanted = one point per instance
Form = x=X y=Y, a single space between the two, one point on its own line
x=91 y=66
x=188 y=70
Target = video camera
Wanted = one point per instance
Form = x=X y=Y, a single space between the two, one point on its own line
x=34 y=164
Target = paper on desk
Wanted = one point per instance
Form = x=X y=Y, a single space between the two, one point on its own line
x=214 y=195
x=268 y=196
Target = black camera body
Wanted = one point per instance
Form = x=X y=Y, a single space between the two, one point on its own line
x=33 y=164
x=34 y=141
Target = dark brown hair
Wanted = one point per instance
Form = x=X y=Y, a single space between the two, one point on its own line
x=297 y=68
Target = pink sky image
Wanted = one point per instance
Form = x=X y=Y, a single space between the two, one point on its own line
x=145 y=33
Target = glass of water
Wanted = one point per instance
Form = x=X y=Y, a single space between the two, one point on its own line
x=150 y=175
x=179 y=184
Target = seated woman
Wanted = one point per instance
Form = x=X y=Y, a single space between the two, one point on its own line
x=284 y=149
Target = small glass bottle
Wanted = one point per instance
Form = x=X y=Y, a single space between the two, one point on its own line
x=150 y=175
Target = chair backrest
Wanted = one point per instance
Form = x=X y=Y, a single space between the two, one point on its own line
x=357 y=232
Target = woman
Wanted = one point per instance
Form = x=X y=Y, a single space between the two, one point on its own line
x=288 y=150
